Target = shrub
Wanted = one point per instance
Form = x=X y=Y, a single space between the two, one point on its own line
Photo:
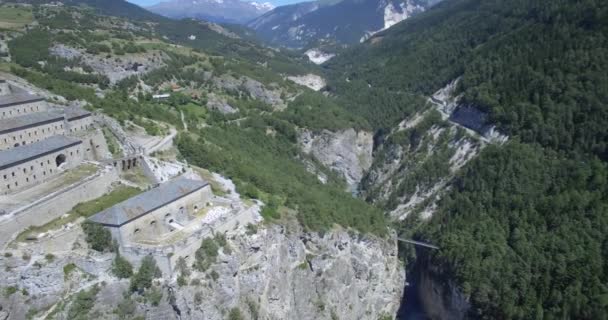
x=206 y=254
x=122 y=268
x=84 y=301
x=9 y=291
x=98 y=237
x=148 y=270
x=235 y=314
x=68 y=269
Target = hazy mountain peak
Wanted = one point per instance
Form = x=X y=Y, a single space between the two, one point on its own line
x=233 y=11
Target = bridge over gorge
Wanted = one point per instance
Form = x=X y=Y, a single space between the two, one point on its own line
x=418 y=243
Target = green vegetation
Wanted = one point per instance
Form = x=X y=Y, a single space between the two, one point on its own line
x=14 y=17
x=113 y=146
x=257 y=162
x=314 y=111
x=82 y=304
x=68 y=269
x=148 y=271
x=235 y=314
x=81 y=210
x=523 y=228
x=122 y=268
x=98 y=237
x=9 y=291
x=206 y=255
x=126 y=308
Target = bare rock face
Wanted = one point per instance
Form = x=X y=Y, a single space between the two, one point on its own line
x=283 y=274
x=310 y=80
x=348 y=152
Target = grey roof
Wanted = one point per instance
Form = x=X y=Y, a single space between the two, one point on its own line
x=16 y=156
x=74 y=113
x=17 y=99
x=28 y=121
x=147 y=202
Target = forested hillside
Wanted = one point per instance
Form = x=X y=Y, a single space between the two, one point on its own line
x=255 y=144
x=523 y=228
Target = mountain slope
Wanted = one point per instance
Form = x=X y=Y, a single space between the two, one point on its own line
x=223 y=11
x=342 y=22
x=520 y=222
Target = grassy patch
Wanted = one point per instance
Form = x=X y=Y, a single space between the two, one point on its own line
x=112 y=143
x=85 y=209
x=137 y=176
x=216 y=187
x=15 y=18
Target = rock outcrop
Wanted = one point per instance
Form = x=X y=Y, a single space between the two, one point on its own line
x=348 y=152
x=280 y=273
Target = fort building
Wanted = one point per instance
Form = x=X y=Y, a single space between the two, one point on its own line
x=34 y=163
x=34 y=127
x=17 y=104
x=156 y=214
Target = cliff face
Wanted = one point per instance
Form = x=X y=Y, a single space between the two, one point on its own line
x=348 y=152
x=276 y=272
x=440 y=299
x=286 y=274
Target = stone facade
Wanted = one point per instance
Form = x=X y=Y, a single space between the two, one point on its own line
x=38 y=126
x=152 y=218
x=15 y=102
x=4 y=88
x=34 y=163
x=16 y=106
x=162 y=222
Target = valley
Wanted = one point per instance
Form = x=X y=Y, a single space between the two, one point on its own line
x=434 y=160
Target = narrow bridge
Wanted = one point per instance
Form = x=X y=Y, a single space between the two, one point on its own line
x=418 y=243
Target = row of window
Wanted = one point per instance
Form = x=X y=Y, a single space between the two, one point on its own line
x=27 y=179
x=30 y=134
x=10 y=112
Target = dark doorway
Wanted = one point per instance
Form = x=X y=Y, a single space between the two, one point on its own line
x=60 y=159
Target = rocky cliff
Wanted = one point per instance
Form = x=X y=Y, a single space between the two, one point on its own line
x=348 y=152
x=273 y=272
x=283 y=273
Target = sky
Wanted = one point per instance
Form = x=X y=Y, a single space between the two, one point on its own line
x=274 y=2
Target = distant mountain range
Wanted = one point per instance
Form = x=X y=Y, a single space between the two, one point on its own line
x=335 y=22
x=222 y=11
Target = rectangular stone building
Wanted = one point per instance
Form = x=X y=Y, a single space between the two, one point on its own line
x=152 y=215
x=33 y=127
x=36 y=162
x=18 y=104
x=30 y=128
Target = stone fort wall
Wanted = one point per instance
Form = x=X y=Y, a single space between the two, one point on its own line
x=23 y=109
x=55 y=205
x=4 y=88
x=40 y=169
x=14 y=139
x=33 y=134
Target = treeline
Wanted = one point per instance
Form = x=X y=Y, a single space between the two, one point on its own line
x=524 y=234
x=267 y=166
x=32 y=51
x=522 y=229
